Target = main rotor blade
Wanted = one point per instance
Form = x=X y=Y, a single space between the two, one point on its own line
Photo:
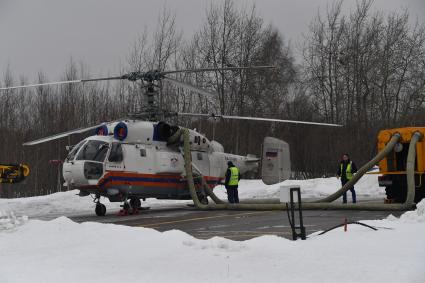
x=258 y=119
x=103 y=79
x=61 y=135
x=217 y=69
x=62 y=82
x=191 y=87
x=42 y=84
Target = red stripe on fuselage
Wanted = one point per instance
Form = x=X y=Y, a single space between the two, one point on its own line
x=160 y=180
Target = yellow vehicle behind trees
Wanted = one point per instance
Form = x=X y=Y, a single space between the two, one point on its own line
x=393 y=167
x=13 y=173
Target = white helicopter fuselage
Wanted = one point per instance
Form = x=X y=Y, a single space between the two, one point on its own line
x=131 y=159
x=136 y=159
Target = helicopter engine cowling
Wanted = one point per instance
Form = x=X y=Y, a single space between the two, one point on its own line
x=162 y=131
x=128 y=130
x=132 y=131
x=199 y=142
x=216 y=146
x=140 y=132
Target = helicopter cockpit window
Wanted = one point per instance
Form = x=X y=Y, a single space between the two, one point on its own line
x=74 y=150
x=93 y=150
x=116 y=154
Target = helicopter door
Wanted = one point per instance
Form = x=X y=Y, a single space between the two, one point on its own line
x=115 y=158
x=275 y=162
x=202 y=162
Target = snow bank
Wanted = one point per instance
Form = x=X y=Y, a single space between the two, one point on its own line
x=367 y=187
x=63 y=251
x=417 y=215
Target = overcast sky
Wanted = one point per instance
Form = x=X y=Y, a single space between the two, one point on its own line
x=44 y=34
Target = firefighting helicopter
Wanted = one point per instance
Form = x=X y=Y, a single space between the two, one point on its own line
x=133 y=158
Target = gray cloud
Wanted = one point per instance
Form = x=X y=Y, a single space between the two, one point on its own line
x=44 y=34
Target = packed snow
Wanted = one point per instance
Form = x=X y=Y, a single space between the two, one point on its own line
x=69 y=203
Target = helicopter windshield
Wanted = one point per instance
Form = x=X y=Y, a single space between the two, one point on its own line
x=93 y=150
x=74 y=150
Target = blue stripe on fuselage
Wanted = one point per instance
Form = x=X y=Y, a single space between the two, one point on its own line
x=146 y=179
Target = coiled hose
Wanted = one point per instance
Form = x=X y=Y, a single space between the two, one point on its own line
x=325 y=203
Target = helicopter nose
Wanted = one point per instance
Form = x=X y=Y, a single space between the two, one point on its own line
x=73 y=173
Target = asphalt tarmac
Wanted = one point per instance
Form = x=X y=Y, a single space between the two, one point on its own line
x=235 y=225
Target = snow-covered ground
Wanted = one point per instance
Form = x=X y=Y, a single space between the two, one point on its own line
x=63 y=251
x=69 y=203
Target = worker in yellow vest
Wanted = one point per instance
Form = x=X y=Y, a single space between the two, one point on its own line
x=346 y=169
x=231 y=182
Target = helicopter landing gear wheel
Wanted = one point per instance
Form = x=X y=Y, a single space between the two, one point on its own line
x=126 y=208
x=100 y=209
x=131 y=207
x=135 y=203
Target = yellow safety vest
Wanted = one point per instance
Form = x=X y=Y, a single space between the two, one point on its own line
x=348 y=173
x=234 y=176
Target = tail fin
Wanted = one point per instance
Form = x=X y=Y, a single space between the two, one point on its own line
x=275 y=161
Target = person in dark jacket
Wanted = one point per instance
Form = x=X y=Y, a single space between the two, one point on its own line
x=346 y=169
x=231 y=182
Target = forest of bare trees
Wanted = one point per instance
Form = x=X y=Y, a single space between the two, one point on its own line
x=364 y=69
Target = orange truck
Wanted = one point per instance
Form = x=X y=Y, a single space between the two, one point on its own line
x=392 y=168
